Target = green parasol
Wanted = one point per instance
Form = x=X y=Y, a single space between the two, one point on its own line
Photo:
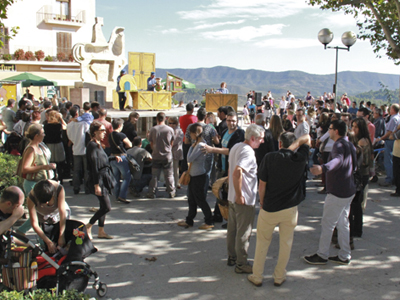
x=28 y=79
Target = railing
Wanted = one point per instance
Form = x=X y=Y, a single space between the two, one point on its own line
x=41 y=15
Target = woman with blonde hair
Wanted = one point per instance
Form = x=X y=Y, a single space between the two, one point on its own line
x=53 y=139
x=35 y=163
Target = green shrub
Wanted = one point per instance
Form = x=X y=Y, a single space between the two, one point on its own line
x=7 y=57
x=48 y=58
x=43 y=295
x=8 y=168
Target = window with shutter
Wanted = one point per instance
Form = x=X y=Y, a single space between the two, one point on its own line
x=6 y=42
x=64 y=43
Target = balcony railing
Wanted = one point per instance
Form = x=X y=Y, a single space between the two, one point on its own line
x=67 y=20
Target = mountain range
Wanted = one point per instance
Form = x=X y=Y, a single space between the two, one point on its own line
x=299 y=83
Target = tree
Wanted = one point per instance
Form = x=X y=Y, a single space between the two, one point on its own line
x=6 y=35
x=377 y=21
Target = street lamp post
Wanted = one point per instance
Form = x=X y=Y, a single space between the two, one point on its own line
x=325 y=36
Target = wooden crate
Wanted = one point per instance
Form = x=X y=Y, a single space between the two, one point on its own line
x=213 y=101
x=145 y=100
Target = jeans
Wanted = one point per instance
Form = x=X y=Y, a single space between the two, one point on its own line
x=121 y=168
x=80 y=167
x=388 y=160
x=286 y=219
x=336 y=213
x=139 y=184
x=240 y=225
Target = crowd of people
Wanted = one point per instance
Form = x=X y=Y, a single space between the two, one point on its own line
x=270 y=160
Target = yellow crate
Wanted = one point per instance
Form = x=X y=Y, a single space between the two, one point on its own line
x=146 y=100
x=214 y=101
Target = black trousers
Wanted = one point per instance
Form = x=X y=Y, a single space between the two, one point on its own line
x=356 y=212
x=122 y=100
x=105 y=207
x=196 y=197
x=396 y=173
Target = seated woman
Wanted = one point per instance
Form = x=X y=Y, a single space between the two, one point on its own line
x=48 y=210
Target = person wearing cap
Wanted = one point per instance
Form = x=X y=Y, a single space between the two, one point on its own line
x=121 y=95
x=151 y=82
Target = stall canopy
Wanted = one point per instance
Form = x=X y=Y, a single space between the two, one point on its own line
x=28 y=79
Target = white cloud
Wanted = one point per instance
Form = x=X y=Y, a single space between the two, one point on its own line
x=169 y=31
x=245 y=9
x=288 y=43
x=212 y=25
x=338 y=20
x=246 y=33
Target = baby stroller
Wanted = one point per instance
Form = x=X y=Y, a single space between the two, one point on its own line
x=27 y=268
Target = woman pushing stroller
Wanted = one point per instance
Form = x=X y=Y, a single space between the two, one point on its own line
x=48 y=211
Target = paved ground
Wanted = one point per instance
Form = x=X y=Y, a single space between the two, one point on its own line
x=191 y=263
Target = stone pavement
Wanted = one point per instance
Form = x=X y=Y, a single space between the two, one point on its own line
x=191 y=263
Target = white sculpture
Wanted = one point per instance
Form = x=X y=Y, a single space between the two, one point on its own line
x=101 y=61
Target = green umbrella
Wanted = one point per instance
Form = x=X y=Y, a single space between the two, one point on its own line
x=28 y=79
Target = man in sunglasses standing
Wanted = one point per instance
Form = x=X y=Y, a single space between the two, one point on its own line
x=341 y=188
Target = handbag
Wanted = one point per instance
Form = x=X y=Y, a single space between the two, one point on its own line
x=185 y=177
x=133 y=165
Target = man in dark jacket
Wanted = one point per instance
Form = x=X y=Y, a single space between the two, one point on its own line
x=341 y=188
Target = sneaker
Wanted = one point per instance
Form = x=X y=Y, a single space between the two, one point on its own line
x=231 y=261
x=315 y=260
x=206 y=226
x=254 y=280
x=150 y=196
x=172 y=195
x=184 y=224
x=374 y=179
x=337 y=260
x=247 y=269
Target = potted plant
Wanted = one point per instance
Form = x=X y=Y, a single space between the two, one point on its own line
x=71 y=58
x=39 y=55
x=48 y=58
x=28 y=55
x=60 y=56
x=7 y=57
x=19 y=54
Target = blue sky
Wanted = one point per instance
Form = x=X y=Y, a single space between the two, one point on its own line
x=268 y=35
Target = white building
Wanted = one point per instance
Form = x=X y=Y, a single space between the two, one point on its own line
x=53 y=26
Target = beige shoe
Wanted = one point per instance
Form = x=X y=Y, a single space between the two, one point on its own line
x=254 y=280
x=184 y=224
x=206 y=227
x=247 y=269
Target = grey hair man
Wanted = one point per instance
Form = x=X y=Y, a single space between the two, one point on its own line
x=242 y=197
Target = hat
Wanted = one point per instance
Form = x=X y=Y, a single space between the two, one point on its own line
x=123 y=72
x=153 y=73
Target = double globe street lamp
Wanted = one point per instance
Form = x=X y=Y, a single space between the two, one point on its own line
x=349 y=38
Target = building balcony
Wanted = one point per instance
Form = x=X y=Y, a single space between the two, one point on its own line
x=52 y=19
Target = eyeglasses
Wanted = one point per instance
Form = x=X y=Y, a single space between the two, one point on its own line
x=330 y=128
x=101 y=130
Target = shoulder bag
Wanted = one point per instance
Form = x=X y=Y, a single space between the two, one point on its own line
x=185 y=177
x=133 y=165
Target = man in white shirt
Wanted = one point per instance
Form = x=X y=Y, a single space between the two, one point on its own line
x=242 y=197
x=76 y=132
x=302 y=126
